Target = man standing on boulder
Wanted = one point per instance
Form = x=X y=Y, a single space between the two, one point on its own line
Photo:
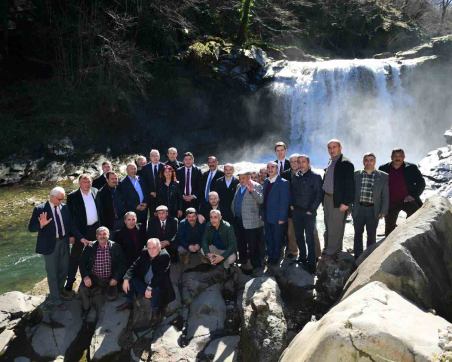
x=339 y=189
x=406 y=184
x=52 y=221
x=371 y=202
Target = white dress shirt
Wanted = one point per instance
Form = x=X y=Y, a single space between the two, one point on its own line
x=90 y=208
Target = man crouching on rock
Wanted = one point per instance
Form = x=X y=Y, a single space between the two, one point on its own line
x=149 y=277
x=101 y=268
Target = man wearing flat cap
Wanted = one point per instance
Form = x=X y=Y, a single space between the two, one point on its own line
x=164 y=228
x=248 y=225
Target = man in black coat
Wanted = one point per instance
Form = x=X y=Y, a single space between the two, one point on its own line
x=101 y=267
x=133 y=194
x=406 y=185
x=307 y=195
x=189 y=177
x=339 y=191
x=151 y=174
x=100 y=181
x=109 y=204
x=52 y=221
x=149 y=277
x=281 y=160
x=225 y=187
x=172 y=159
x=210 y=177
x=85 y=217
x=131 y=237
x=164 y=228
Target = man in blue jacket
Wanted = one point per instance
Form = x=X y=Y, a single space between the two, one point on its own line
x=52 y=221
x=276 y=207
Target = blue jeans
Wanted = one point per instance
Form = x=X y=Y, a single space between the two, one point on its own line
x=273 y=240
x=138 y=287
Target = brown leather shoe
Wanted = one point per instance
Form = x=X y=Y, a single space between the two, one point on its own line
x=124 y=306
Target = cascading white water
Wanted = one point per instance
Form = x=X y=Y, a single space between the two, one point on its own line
x=361 y=102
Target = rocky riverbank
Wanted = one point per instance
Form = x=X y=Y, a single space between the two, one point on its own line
x=229 y=317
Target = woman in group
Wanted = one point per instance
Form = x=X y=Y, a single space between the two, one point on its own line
x=169 y=193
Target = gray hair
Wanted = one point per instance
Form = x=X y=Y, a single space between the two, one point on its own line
x=294 y=155
x=129 y=213
x=102 y=228
x=215 y=211
x=153 y=241
x=172 y=149
x=58 y=190
x=214 y=193
x=305 y=156
x=154 y=151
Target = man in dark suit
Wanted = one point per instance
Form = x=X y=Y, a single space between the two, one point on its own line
x=151 y=174
x=210 y=177
x=85 y=218
x=52 y=221
x=290 y=238
x=275 y=212
x=406 y=185
x=371 y=202
x=133 y=194
x=109 y=204
x=172 y=159
x=225 y=187
x=339 y=191
x=281 y=160
x=164 y=228
x=189 y=177
x=100 y=181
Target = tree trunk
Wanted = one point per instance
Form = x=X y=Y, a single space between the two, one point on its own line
x=242 y=35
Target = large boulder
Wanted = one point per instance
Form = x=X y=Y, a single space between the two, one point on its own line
x=264 y=327
x=199 y=279
x=222 y=349
x=166 y=346
x=437 y=169
x=332 y=274
x=415 y=259
x=373 y=324
x=54 y=335
x=207 y=313
x=296 y=283
x=14 y=308
x=110 y=325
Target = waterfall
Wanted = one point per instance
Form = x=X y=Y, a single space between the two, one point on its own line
x=362 y=102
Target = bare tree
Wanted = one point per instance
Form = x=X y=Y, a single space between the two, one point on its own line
x=444 y=5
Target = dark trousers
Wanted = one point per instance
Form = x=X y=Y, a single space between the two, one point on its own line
x=138 y=287
x=364 y=217
x=273 y=241
x=76 y=252
x=391 y=219
x=142 y=217
x=56 y=265
x=304 y=231
x=95 y=295
x=250 y=244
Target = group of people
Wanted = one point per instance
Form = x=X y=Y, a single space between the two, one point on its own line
x=126 y=233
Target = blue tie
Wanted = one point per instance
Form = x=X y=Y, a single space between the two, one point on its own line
x=58 y=224
x=209 y=181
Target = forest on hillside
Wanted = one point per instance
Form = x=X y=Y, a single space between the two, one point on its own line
x=87 y=68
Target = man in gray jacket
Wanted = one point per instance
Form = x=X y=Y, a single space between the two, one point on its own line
x=371 y=202
x=247 y=221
